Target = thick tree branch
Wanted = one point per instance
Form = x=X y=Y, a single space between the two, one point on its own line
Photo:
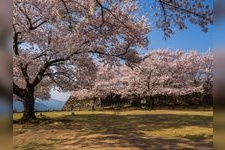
x=18 y=91
x=68 y=13
x=24 y=72
x=16 y=40
x=43 y=69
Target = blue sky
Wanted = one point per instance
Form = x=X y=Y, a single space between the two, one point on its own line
x=191 y=38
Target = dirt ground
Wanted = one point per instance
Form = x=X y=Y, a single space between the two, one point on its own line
x=127 y=130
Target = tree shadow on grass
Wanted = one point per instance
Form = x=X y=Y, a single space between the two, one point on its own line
x=127 y=131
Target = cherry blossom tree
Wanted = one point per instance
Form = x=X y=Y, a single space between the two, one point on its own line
x=206 y=77
x=152 y=74
x=164 y=72
x=57 y=43
x=108 y=81
x=161 y=72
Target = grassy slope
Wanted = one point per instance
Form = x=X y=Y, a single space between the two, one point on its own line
x=158 y=129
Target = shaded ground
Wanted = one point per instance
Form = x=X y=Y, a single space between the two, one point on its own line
x=130 y=130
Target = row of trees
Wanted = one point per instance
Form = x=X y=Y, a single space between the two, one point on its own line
x=161 y=72
x=56 y=43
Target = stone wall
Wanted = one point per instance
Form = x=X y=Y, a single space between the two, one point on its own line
x=74 y=103
x=81 y=104
x=114 y=100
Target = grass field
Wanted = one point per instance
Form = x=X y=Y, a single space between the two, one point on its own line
x=116 y=130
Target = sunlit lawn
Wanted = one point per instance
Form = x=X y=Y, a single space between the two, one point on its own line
x=156 y=129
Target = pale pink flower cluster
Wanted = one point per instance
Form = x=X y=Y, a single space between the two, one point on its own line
x=160 y=72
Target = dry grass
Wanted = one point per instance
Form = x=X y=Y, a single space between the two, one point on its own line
x=130 y=130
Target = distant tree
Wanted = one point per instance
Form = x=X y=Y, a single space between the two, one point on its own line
x=169 y=73
x=161 y=72
x=153 y=74
x=107 y=82
x=206 y=72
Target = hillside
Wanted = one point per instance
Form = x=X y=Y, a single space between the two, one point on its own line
x=40 y=105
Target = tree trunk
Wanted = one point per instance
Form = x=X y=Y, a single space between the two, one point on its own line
x=152 y=102
x=29 y=101
x=94 y=101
